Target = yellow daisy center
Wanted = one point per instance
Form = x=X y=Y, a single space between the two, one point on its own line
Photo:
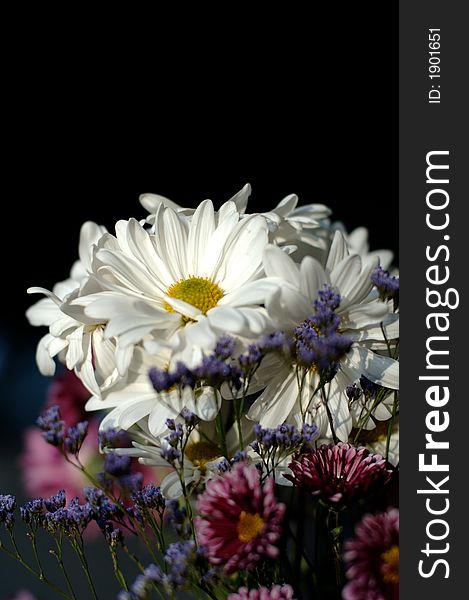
x=249 y=526
x=372 y=436
x=201 y=292
x=200 y=453
x=390 y=566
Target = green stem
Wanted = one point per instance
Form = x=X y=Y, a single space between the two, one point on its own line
x=80 y=552
x=134 y=558
x=391 y=425
x=386 y=339
x=59 y=558
x=332 y=528
x=158 y=531
x=329 y=416
x=143 y=536
x=16 y=556
x=32 y=537
x=238 y=405
x=141 y=566
x=188 y=508
x=117 y=571
x=363 y=419
x=221 y=434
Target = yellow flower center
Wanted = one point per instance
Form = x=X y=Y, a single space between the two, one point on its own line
x=390 y=566
x=201 y=292
x=200 y=453
x=249 y=526
x=371 y=436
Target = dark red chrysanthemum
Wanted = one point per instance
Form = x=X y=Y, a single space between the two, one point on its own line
x=372 y=559
x=240 y=519
x=338 y=473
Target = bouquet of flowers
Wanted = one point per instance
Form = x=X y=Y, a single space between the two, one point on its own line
x=247 y=369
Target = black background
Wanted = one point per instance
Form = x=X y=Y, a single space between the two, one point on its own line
x=290 y=102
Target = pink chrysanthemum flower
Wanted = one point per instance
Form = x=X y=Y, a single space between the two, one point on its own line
x=338 y=473
x=24 y=595
x=68 y=392
x=45 y=470
x=240 y=519
x=278 y=592
x=373 y=559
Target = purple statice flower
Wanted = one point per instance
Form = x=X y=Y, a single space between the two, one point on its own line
x=171 y=424
x=226 y=464
x=117 y=465
x=56 y=501
x=250 y=359
x=71 y=520
x=321 y=348
x=113 y=535
x=141 y=587
x=179 y=557
x=113 y=438
x=176 y=433
x=150 y=497
x=277 y=592
x=272 y=342
x=339 y=473
x=32 y=511
x=79 y=514
x=318 y=341
x=120 y=469
x=130 y=482
x=277 y=341
x=388 y=286
x=75 y=437
x=190 y=418
x=372 y=558
x=353 y=392
x=7 y=509
x=285 y=437
x=102 y=508
x=327 y=299
x=214 y=372
x=52 y=426
x=160 y=379
x=225 y=347
x=369 y=388
x=171 y=455
x=177 y=516
x=240 y=520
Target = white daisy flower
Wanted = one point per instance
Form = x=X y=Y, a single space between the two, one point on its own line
x=288 y=398
x=132 y=399
x=201 y=462
x=287 y=223
x=76 y=339
x=185 y=285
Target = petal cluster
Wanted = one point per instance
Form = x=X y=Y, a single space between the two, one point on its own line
x=339 y=473
x=240 y=520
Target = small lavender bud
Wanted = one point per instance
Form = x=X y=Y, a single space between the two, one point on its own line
x=53 y=428
x=75 y=437
x=117 y=465
x=55 y=502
